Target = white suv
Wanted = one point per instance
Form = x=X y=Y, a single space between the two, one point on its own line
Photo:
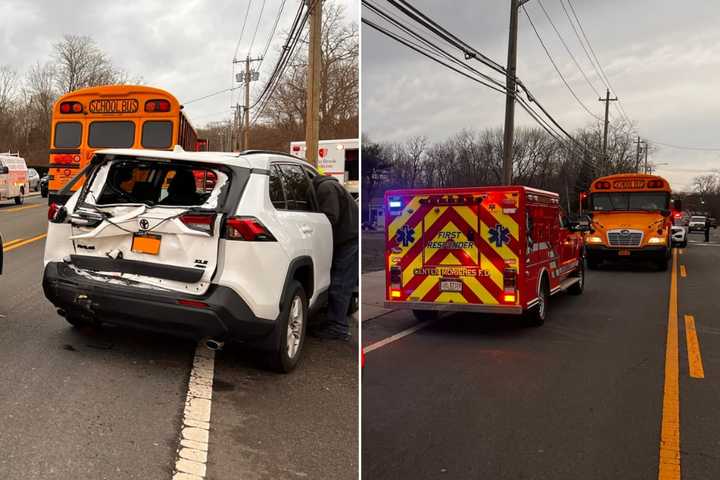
x=220 y=246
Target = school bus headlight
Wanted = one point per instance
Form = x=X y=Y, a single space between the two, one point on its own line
x=593 y=240
x=656 y=240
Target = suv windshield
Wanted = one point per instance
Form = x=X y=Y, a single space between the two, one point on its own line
x=624 y=201
x=155 y=183
x=697 y=219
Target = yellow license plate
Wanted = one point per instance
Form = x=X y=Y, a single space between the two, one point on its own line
x=149 y=244
x=624 y=253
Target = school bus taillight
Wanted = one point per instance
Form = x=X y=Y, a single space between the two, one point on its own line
x=71 y=107
x=157 y=106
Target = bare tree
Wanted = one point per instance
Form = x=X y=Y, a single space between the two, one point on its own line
x=80 y=63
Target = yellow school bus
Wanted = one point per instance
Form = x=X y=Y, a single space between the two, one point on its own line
x=630 y=219
x=112 y=116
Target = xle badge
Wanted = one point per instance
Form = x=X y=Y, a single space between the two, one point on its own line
x=499 y=235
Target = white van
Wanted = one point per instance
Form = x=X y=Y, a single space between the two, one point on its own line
x=13 y=177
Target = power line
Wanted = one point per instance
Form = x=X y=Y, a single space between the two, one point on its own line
x=432 y=45
x=567 y=48
x=272 y=34
x=242 y=29
x=257 y=25
x=210 y=95
x=547 y=52
x=434 y=27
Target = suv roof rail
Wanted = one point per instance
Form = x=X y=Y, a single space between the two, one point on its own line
x=16 y=154
x=273 y=152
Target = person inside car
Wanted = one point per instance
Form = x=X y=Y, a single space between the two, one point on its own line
x=181 y=190
x=342 y=211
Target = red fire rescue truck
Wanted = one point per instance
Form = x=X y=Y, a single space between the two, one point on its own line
x=480 y=249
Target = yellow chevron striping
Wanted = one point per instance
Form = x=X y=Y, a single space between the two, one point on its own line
x=480 y=290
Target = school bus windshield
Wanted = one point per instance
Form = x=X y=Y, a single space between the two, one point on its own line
x=629 y=201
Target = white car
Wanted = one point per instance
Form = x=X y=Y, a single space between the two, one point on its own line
x=218 y=246
x=697 y=222
x=678 y=236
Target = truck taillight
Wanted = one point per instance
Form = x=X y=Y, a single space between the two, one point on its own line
x=199 y=221
x=395 y=282
x=510 y=285
x=248 y=229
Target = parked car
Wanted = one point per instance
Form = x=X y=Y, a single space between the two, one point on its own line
x=697 y=223
x=142 y=244
x=44 y=186
x=33 y=179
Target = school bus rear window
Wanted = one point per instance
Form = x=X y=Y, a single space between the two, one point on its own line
x=68 y=134
x=157 y=134
x=111 y=135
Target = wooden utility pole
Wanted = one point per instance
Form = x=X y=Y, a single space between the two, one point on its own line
x=646 y=153
x=312 y=108
x=607 y=101
x=511 y=69
x=637 y=155
x=247 y=77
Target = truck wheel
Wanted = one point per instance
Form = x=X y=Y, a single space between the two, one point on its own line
x=539 y=313
x=426 y=315
x=292 y=324
x=578 y=287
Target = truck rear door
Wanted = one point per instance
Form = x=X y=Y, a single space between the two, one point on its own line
x=452 y=248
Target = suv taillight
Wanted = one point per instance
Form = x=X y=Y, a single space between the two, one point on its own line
x=248 y=229
x=199 y=221
x=52 y=210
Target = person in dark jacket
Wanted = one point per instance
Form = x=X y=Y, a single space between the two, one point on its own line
x=707 y=229
x=342 y=211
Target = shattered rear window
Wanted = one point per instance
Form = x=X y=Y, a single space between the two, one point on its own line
x=156 y=183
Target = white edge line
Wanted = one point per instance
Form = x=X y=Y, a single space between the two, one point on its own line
x=396 y=337
x=191 y=461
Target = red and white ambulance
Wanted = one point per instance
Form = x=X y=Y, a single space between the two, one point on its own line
x=479 y=249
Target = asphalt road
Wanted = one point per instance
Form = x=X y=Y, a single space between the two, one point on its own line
x=582 y=397
x=107 y=403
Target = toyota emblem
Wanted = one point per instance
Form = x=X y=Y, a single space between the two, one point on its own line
x=144 y=224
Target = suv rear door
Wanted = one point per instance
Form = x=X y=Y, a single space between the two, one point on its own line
x=309 y=225
x=152 y=222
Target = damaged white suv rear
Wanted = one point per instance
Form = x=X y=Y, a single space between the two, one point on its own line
x=215 y=246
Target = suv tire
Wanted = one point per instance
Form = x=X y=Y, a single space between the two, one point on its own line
x=292 y=325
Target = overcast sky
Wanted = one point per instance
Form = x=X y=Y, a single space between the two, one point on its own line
x=183 y=46
x=662 y=57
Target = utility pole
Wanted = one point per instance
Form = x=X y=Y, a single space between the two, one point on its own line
x=312 y=109
x=637 y=155
x=607 y=101
x=510 y=81
x=247 y=77
x=646 y=154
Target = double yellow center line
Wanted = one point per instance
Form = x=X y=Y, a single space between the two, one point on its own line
x=19 y=242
